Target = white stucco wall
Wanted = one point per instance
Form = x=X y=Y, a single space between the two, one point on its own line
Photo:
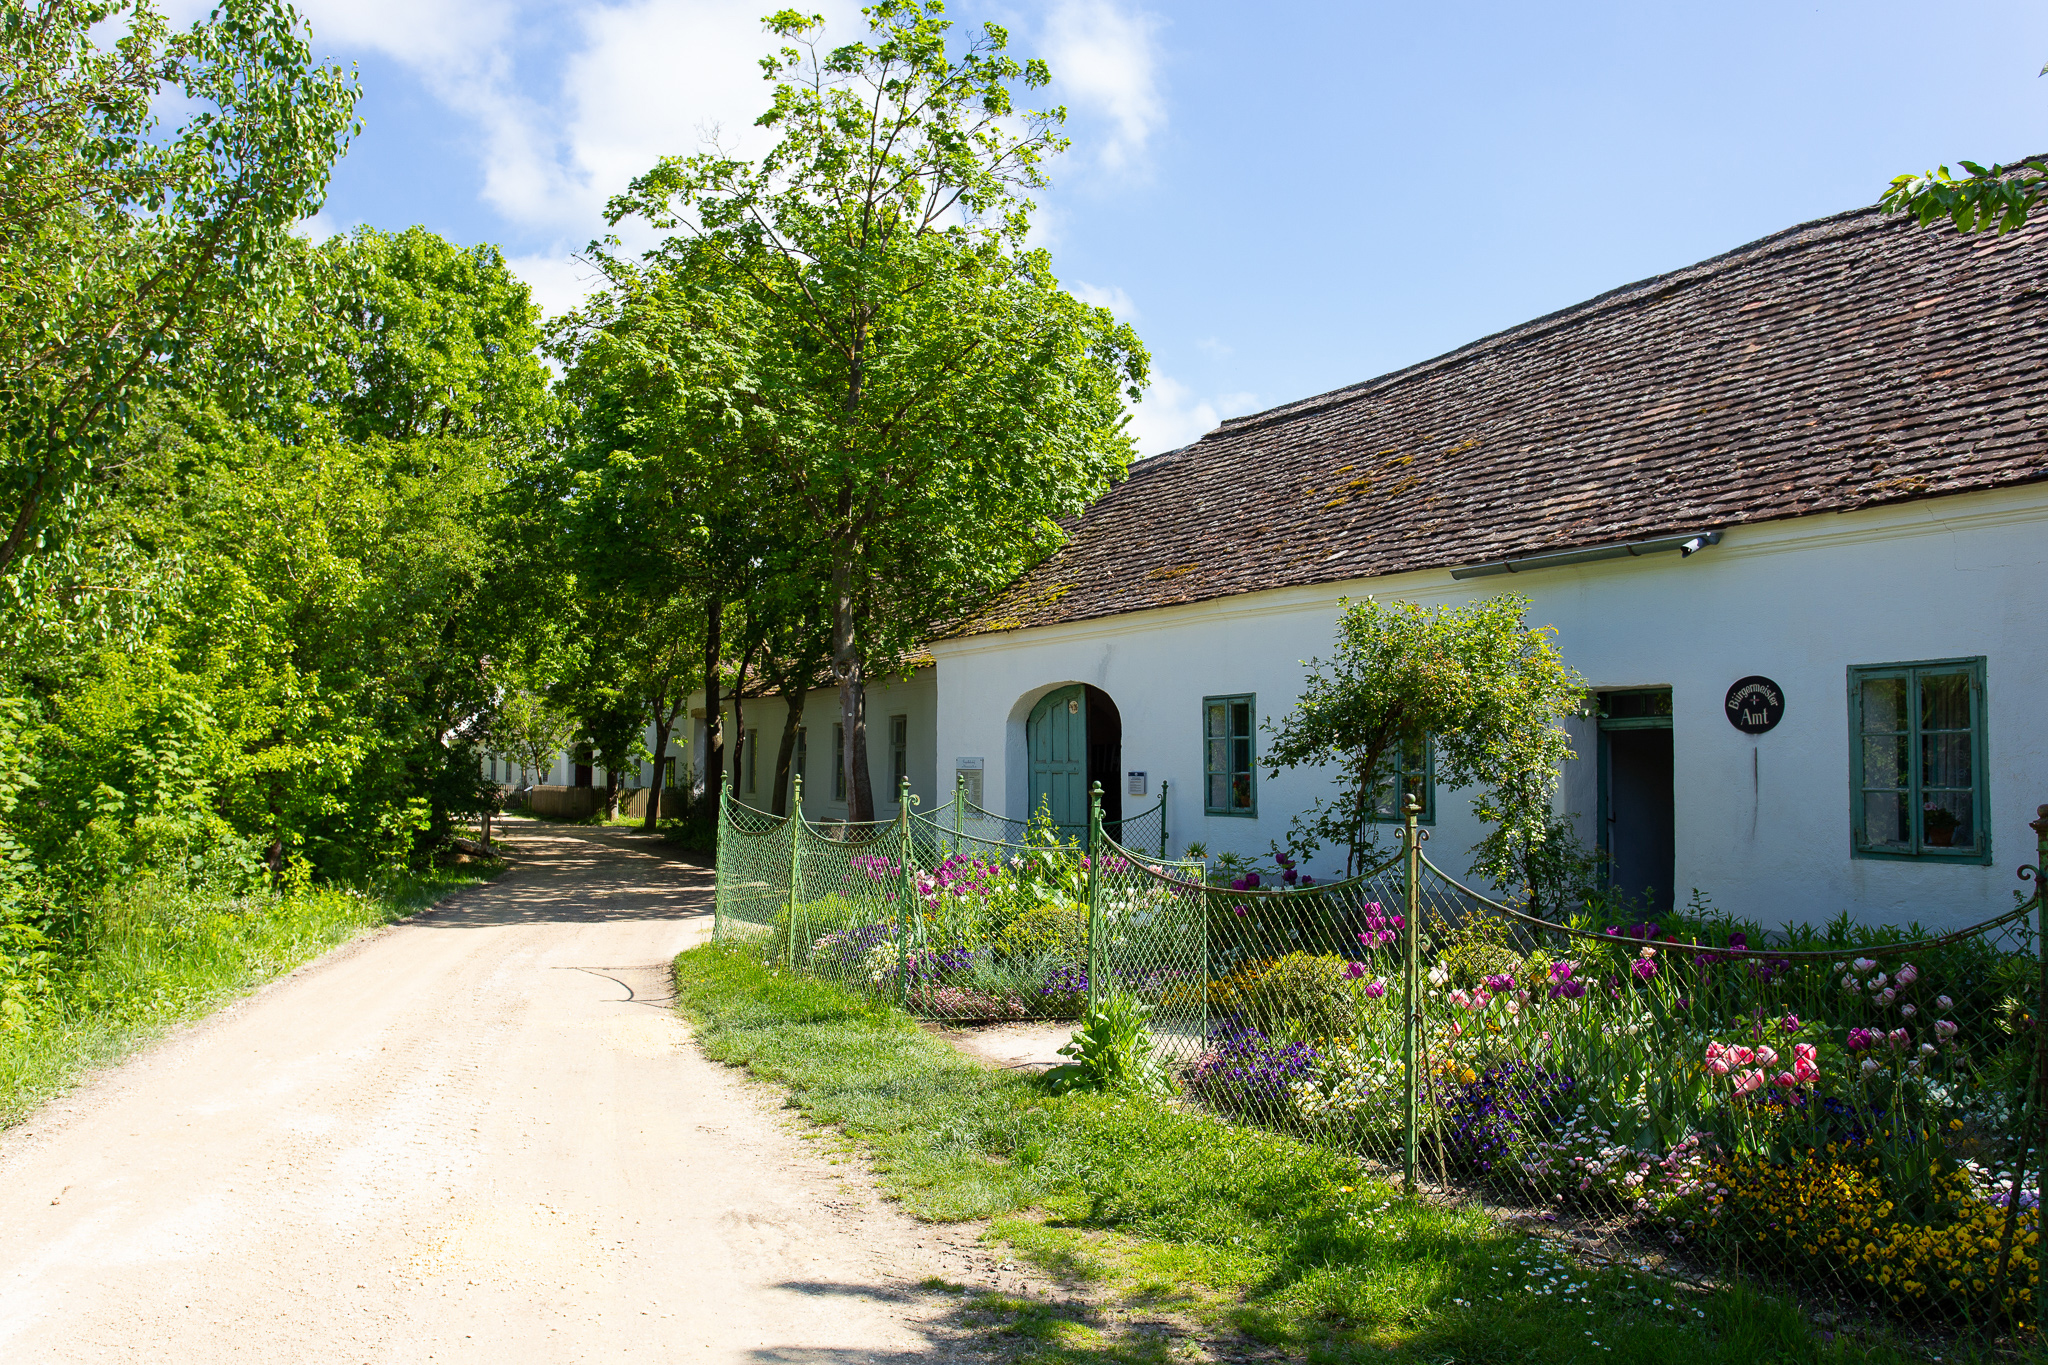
x=915 y=697
x=1762 y=823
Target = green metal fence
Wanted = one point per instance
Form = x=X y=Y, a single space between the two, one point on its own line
x=1855 y=1119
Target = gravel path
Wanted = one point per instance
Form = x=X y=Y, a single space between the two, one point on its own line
x=480 y=1135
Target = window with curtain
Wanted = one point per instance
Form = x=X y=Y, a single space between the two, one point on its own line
x=1916 y=761
x=1410 y=770
x=1229 y=787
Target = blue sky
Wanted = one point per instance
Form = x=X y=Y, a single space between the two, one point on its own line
x=1282 y=198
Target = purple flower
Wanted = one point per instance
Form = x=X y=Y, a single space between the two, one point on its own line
x=1644 y=968
x=1354 y=970
x=1307 y=880
x=1376 y=989
x=1251 y=882
x=1790 y=1023
x=1497 y=984
x=1290 y=876
x=1239 y=884
x=1739 y=942
x=1862 y=1039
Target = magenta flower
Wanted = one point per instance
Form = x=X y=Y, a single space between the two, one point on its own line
x=1790 y=1023
x=1354 y=970
x=1644 y=968
x=1377 y=988
x=1861 y=1039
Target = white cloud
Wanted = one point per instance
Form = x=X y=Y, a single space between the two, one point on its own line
x=559 y=281
x=1110 y=297
x=1104 y=62
x=1173 y=415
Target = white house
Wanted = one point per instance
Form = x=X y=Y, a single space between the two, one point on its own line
x=1816 y=461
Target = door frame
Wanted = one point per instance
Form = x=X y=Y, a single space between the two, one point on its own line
x=1603 y=763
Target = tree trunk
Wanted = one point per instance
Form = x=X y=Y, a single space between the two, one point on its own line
x=786 y=754
x=611 y=795
x=714 y=705
x=853 y=696
x=660 y=763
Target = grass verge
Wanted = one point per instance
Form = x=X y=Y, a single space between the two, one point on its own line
x=1260 y=1243
x=163 y=955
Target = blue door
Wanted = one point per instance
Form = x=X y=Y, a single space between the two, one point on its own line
x=1057 y=735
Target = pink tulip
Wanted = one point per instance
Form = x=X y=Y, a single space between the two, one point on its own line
x=1899 y=1039
x=1908 y=974
x=1945 y=1029
x=1741 y=1056
x=1765 y=1056
x=1785 y=1080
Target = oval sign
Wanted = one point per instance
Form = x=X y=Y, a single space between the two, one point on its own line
x=1755 y=704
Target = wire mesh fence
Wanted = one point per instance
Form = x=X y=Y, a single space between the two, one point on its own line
x=1847 y=1113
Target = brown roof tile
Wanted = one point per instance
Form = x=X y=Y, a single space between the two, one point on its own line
x=1845 y=363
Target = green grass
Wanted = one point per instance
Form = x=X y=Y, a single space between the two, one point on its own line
x=1245 y=1237
x=163 y=955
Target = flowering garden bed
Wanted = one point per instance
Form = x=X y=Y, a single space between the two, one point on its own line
x=1839 y=1110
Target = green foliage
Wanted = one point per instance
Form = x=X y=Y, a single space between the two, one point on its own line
x=1112 y=1051
x=128 y=248
x=1300 y=995
x=1988 y=198
x=1054 y=929
x=1488 y=692
x=848 y=347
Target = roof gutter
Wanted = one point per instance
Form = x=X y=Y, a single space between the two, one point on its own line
x=1685 y=545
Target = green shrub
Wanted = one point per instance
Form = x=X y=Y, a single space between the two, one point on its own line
x=1050 y=929
x=1302 y=995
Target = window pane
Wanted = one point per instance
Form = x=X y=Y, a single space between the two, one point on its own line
x=1884 y=705
x=1219 y=791
x=1884 y=761
x=1945 y=762
x=1219 y=756
x=1240 y=718
x=1241 y=756
x=1945 y=821
x=1884 y=819
x=1241 y=792
x=1219 y=719
x=1944 y=701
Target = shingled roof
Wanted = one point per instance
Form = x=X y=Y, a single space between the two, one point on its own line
x=1845 y=363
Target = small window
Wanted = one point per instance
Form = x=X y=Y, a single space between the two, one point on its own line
x=1916 y=761
x=899 y=753
x=1411 y=771
x=1227 y=755
x=749 y=742
x=838 y=761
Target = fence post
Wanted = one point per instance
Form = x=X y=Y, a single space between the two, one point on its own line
x=959 y=811
x=1411 y=984
x=2035 y=1110
x=907 y=913
x=796 y=864
x=721 y=874
x=1162 y=819
x=1094 y=894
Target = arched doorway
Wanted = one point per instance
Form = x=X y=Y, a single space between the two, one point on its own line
x=1075 y=738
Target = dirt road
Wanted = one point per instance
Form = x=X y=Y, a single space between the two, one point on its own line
x=480 y=1135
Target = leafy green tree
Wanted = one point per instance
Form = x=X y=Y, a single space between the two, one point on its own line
x=125 y=247
x=531 y=730
x=1986 y=198
x=893 y=365
x=1487 y=691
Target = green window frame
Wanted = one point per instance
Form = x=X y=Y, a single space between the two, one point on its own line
x=899 y=753
x=1919 y=786
x=1229 y=782
x=1411 y=769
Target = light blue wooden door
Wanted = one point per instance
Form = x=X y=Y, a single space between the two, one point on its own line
x=1057 y=734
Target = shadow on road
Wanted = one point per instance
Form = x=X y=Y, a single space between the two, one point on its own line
x=574 y=874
